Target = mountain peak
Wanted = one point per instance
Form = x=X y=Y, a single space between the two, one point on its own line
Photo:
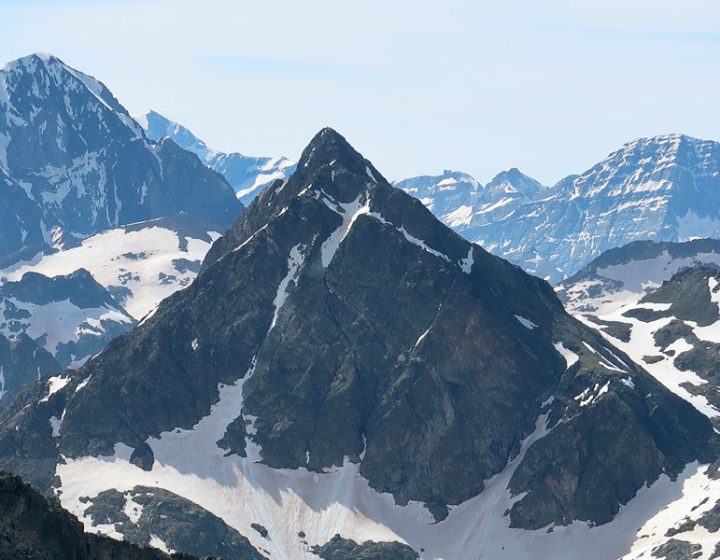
x=326 y=147
x=328 y=154
x=512 y=182
x=36 y=62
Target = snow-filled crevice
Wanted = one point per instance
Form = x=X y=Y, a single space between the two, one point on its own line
x=349 y=212
x=295 y=261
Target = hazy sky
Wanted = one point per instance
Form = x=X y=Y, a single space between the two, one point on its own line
x=548 y=86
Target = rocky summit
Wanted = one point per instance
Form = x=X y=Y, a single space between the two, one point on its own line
x=73 y=163
x=346 y=369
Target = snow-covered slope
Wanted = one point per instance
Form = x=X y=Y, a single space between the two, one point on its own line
x=660 y=304
x=624 y=275
x=662 y=188
x=72 y=317
x=248 y=175
x=346 y=364
x=73 y=163
x=140 y=264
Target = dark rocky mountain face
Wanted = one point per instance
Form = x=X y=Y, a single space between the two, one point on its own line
x=72 y=317
x=339 y=325
x=22 y=362
x=660 y=303
x=33 y=527
x=344 y=549
x=75 y=163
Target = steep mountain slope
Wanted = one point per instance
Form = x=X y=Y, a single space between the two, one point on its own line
x=32 y=527
x=247 y=175
x=74 y=163
x=72 y=317
x=660 y=303
x=661 y=188
x=21 y=363
x=345 y=364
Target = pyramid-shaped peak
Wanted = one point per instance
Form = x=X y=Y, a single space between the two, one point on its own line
x=514 y=181
x=330 y=148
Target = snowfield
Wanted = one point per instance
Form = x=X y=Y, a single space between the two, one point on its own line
x=140 y=265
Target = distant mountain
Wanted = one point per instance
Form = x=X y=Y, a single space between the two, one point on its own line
x=344 y=364
x=140 y=264
x=247 y=175
x=72 y=317
x=73 y=163
x=626 y=274
x=449 y=196
x=662 y=188
x=22 y=362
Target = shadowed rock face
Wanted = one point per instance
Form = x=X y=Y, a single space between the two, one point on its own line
x=367 y=331
x=344 y=549
x=75 y=163
x=34 y=527
x=22 y=362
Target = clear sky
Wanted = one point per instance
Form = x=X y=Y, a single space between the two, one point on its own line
x=548 y=86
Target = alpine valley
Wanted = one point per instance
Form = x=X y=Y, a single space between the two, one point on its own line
x=337 y=370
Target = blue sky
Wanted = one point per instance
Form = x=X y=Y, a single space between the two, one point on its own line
x=548 y=86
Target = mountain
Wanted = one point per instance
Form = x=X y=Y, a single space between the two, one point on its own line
x=623 y=275
x=72 y=317
x=660 y=303
x=247 y=175
x=661 y=188
x=449 y=196
x=74 y=163
x=32 y=527
x=22 y=362
x=344 y=364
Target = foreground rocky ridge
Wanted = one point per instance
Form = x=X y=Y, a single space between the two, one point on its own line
x=339 y=334
x=32 y=527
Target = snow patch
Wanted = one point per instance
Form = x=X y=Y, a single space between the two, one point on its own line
x=349 y=212
x=295 y=261
x=571 y=358
x=55 y=384
x=527 y=323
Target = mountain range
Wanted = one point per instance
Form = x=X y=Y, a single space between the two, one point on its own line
x=342 y=373
x=98 y=223
x=661 y=188
x=385 y=380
